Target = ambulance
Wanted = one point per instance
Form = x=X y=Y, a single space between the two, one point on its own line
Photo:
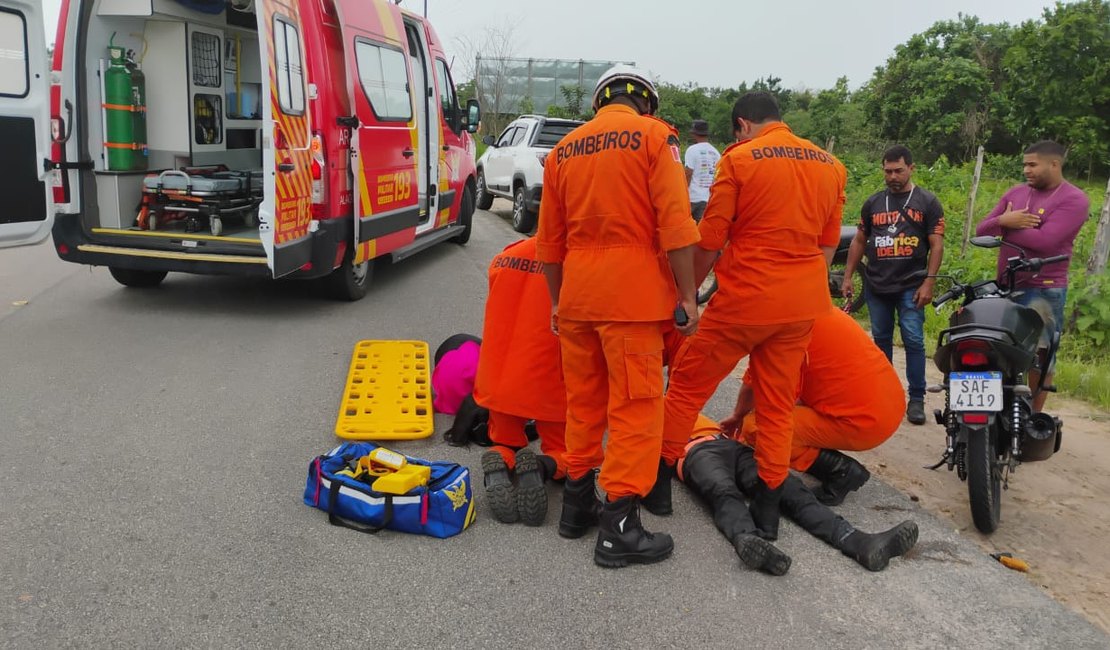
x=271 y=138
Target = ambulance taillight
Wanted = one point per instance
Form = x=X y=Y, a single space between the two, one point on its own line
x=319 y=179
x=57 y=144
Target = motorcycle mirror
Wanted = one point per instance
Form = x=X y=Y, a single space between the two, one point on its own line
x=1019 y=249
x=986 y=241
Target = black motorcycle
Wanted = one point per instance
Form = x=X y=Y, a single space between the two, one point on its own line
x=985 y=354
x=836 y=275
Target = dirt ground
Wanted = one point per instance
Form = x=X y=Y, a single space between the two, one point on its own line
x=1055 y=515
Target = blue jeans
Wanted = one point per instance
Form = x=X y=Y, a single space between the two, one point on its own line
x=911 y=321
x=1056 y=298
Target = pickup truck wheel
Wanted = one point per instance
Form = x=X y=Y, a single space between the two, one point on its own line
x=466 y=216
x=482 y=198
x=524 y=220
x=350 y=281
x=136 y=278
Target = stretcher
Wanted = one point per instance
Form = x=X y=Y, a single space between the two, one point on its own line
x=388 y=394
x=202 y=198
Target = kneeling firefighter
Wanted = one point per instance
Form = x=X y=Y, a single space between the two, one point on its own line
x=520 y=378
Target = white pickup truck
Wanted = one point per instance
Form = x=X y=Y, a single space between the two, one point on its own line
x=512 y=166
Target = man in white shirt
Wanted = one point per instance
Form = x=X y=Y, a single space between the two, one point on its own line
x=701 y=165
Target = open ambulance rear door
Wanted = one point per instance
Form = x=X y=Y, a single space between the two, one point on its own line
x=285 y=215
x=26 y=203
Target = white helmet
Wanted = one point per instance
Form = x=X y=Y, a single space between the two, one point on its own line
x=623 y=79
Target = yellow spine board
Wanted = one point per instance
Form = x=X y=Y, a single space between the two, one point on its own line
x=389 y=392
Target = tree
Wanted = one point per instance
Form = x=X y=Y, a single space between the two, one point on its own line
x=940 y=93
x=496 y=45
x=466 y=90
x=1059 y=81
x=773 y=85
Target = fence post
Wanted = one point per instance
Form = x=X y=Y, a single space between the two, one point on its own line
x=970 y=216
x=1097 y=263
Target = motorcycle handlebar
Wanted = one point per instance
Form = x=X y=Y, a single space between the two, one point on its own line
x=946 y=296
x=1034 y=263
x=1015 y=264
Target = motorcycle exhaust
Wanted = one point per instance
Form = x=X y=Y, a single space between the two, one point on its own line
x=1041 y=438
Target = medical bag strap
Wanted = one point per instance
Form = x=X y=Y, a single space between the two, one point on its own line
x=336 y=520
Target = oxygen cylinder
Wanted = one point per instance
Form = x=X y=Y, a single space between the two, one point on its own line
x=138 y=113
x=119 y=118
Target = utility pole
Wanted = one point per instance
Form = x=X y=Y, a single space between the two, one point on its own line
x=970 y=216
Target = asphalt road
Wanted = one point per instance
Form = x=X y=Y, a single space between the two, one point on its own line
x=153 y=452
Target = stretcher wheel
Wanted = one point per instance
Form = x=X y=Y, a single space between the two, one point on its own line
x=251 y=220
x=216 y=226
x=152 y=222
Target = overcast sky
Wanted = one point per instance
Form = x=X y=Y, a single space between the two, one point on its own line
x=710 y=42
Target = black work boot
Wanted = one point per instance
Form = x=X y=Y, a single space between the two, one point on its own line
x=761 y=555
x=622 y=540
x=765 y=510
x=840 y=475
x=658 y=501
x=874 y=550
x=499 y=487
x=531 y=494
x=915 y=411
x=580 y=506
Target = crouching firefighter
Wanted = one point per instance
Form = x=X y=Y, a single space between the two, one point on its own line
x=721 y=471
x=616 y=237
x=850 y=399
x=520 y=378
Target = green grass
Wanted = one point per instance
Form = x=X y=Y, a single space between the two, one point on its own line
x=1086 y=380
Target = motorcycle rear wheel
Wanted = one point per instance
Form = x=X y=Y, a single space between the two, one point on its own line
x=984 y=478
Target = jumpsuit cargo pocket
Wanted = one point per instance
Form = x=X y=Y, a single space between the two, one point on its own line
x=643 y=363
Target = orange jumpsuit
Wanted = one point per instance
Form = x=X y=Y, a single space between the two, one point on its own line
x=848 y=398
x=614 y=202
x=520 y=375
x=776 y=200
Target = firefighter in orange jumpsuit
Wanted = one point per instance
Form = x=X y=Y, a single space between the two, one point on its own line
x=777 y=202
x=847 y=400
x=520 y=378
x=616 y=237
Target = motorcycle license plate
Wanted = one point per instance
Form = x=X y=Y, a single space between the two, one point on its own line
x=975 y=391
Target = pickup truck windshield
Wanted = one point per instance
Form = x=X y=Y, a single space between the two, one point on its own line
x=550 y=134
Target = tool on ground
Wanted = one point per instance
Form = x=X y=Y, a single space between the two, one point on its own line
x=1011 y=562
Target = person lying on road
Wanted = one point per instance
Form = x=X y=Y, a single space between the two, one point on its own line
x=721 y=471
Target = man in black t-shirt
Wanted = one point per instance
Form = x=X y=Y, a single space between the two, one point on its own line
x=902 y=233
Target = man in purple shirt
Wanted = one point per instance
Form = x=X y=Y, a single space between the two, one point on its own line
x=1043 y=216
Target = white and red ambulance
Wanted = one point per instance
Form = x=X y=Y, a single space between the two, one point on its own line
x=276 y=138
